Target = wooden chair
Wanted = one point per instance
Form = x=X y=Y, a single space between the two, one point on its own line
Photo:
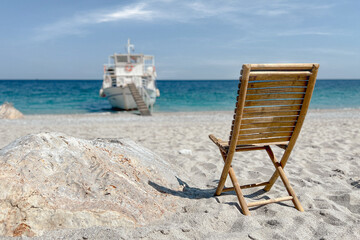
x=271 y=107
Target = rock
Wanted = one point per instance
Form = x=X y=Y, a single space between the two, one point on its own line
x=7 y=111
x=51 y=181
x=185 y=152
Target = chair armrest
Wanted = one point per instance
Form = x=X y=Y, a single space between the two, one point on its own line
x=214 y=139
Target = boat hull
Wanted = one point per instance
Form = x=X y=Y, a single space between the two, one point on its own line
x=121 y=97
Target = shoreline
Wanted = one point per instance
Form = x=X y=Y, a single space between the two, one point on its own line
x=135 y=112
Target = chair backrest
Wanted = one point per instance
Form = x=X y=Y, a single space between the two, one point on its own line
x=272 y=103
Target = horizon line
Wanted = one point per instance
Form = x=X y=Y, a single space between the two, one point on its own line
x=84 y=79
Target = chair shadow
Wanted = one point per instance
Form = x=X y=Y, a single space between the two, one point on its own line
x=198 y=193
x=187 y=191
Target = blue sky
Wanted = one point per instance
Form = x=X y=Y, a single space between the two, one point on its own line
x=196 y=39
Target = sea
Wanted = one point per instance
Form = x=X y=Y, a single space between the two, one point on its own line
x=82 y=96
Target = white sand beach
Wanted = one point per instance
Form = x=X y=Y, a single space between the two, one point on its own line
x=324 y=170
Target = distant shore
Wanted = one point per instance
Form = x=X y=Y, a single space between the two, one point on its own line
x=323 y=169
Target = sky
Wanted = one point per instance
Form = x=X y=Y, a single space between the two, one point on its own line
x=198 y=39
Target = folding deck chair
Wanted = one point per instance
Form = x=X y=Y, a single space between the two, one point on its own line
x=271 y=107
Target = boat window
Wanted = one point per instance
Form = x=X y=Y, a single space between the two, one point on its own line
x=135 y=59
x=121 y=59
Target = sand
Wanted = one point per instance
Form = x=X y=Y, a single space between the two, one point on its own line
x=324 y=170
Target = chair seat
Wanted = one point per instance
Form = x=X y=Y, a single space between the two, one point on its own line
x=224 y=145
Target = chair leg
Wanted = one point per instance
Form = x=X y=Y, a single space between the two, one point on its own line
x=276 y=175
x=280 y=172
x=272 y=180
x=221 y=184
x=237 y=188
x=239 y=194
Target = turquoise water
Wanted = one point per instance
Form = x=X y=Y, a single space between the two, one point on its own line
x=81 y=96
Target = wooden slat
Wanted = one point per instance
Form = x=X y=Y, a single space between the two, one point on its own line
x=264 y=116
x=277 y=90
x=277 y=84
x=272 y=109
x=265 y=135
x=268 y=124
x=242 y=148
x=269 y=119
x=272 y=103
x=279 y=75
x=267 y=130
x=275 y=96
x=258 y=203
x=267 y=140
x=246 y=186
x=268 y=114
x=275 y=130
x=282 y=66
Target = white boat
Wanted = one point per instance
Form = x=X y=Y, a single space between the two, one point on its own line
x=129 y=81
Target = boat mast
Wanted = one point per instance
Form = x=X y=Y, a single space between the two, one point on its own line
x=129 y=47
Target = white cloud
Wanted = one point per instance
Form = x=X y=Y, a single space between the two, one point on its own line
x=134 y=12
x=141 y=11
x=77 y=24
x=232 y=12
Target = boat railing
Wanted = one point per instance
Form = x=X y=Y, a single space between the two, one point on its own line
x=144 y=81
x=108 y=66
x=145 y=95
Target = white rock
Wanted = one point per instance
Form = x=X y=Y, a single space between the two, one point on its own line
x=185 y=151
x=51 y=181
x=7 y=111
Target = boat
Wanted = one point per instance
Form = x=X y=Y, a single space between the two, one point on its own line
x=129 y=81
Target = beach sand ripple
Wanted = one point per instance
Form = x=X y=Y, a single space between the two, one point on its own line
x=324 y=170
